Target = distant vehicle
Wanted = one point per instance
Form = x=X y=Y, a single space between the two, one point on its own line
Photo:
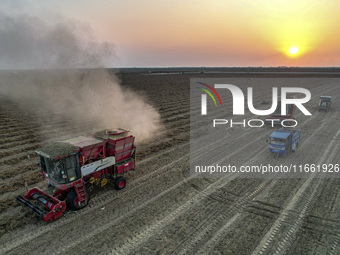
x=284 y=140
x=276 y=118
x=325 y=103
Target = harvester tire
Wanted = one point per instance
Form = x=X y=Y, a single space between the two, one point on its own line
x=120 y=183
x=71 y=200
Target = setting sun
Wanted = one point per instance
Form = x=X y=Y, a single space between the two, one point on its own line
x=293 y=50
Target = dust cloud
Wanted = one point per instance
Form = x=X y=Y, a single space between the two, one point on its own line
x=56 y=70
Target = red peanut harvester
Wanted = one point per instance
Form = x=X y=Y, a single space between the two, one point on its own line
x=72 y=166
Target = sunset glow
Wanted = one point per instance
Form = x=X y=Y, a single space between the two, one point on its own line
x=293 y=50
x=195 y=33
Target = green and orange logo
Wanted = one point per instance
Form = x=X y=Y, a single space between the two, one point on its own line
x=204 y=97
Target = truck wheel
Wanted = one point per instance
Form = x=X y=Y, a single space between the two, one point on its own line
x=72 y=201
x=120 y=183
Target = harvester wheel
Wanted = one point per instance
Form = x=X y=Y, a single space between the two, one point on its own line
x=72 y=200
x=120 y=183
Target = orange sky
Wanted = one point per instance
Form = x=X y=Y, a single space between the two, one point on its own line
x=211 y=33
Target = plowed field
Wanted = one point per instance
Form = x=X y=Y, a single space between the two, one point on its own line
x=163 y=210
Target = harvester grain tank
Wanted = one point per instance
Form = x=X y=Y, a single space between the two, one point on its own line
x=284 y=140
x=325 y=103
x=73 y=166
x=276 y=118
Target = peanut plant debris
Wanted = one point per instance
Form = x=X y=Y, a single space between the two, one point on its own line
x=59 y=149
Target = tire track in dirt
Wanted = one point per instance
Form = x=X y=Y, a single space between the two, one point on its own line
x=302 y=200
x=106 y=195
x=99 y=202
x=158 y=226
x=230 y=216
x=130 y=189
x=153 y=228
x=214 y=239
x=331 y=232
x=266 y=246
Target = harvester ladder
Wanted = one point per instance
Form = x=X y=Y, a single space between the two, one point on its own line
x=81 y=192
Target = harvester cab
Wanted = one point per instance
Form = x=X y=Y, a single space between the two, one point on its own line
x=284 y=140
x=325 y=103
x=276 y=118
x=60 y=170
x=72 y=166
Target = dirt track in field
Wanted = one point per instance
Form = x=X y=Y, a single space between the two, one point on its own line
x=163 y=210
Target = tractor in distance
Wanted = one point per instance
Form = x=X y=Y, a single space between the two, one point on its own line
x=325 y=103
x=73 y=166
